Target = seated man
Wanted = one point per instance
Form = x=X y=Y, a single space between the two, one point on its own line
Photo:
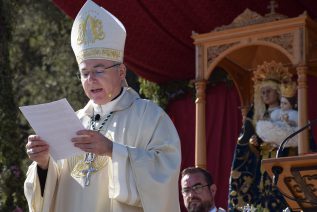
x=198 y=190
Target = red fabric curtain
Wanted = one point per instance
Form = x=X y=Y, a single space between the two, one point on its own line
x=159 y=45
x=159 y=48
x=223 y=124
x=312 y=102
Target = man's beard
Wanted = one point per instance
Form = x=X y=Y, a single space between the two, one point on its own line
x=200 y=207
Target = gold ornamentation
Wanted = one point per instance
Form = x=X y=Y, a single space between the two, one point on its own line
x=200 y=91
x=271 y=71
x=215 y=51
x=245 y=187
x=269 y=74
x=233 y=193
x=306 y=181
x=235 y=174
x=249 y=17
x=288 y=89
x=81 y=166
x=90 y=30
x=284 y=40
x=109 y=54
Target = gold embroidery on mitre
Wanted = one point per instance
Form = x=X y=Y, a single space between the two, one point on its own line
x=110 y=54
x=90 y=30
x=80 y=167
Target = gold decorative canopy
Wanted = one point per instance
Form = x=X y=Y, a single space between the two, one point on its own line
x=252 y=40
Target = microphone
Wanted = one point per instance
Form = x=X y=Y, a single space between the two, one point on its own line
x=281 y=147
x=97 y=117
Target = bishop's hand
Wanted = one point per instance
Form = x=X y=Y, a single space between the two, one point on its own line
x=38 y=151
x=93 y=142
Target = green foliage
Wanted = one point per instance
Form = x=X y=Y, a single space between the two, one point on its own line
x=163 y=93
x=152 y=91
x=37 y=65
x=11 y=149
x=41 y=56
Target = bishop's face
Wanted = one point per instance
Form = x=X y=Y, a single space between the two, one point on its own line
x=101 y=79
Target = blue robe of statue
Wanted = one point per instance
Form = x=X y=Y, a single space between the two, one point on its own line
x=249 y=184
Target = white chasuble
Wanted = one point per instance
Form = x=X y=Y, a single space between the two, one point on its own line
x=142 y=174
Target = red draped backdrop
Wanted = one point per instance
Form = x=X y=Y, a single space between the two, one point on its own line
x=223 y=123
x=159 y=48
x=159 y=45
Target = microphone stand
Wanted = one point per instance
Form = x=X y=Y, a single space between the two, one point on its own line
x=277 y=170
x=281 y=147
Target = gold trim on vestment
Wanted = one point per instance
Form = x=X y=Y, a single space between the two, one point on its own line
x=80 y=167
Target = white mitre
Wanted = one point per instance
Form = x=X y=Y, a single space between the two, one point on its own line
x=97 y=34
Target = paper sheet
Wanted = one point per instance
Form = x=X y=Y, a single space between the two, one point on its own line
x=56 y=123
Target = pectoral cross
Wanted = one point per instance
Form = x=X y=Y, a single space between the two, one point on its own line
x=88 y=173
x=89 y=159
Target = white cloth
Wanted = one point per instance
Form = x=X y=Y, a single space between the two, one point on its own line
x=292 y=115
x=276 y=130
x=275 y=114
x=142 y=174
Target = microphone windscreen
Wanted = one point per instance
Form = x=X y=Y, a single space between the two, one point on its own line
x=97 y=117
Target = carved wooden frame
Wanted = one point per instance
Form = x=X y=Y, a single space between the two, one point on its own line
x=294 y=38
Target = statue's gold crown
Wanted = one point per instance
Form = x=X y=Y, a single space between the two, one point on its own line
x=288 y=89
x=271 y=71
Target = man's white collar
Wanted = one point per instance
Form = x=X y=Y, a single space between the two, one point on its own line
x=108 y=107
